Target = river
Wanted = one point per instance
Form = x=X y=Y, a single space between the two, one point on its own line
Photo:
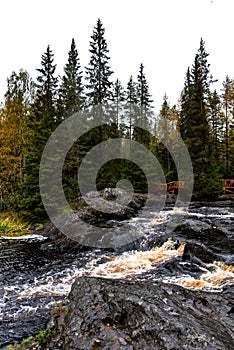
x=34 y=281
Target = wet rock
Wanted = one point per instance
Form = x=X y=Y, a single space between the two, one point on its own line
x=57 y=241
x=125 y=208
x=116 y=205
x=215 y=233
x=131 y=314
x=197 y=253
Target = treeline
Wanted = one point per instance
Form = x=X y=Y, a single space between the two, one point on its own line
x=32 y=110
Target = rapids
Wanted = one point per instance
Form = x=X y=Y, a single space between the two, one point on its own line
x=34 y=281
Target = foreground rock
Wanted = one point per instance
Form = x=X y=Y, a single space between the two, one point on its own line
x=125 y=315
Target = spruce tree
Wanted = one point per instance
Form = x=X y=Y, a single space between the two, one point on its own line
x=144 y=103
x=165 y=127
x=98 y=72
x=216 y=126
x=138 y=113
x=118 y=96
x=71 y=100
x=184 y=121
x=71 y=89
x=131 y=91
x=228 y=106
x=144 y=98
x=130 y=108
x=194 y=123
x=42 y=122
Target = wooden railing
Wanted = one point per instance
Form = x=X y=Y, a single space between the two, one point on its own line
x=228 y=186
x=173 y=186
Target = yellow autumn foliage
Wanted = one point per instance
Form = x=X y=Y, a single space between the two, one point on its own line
x=14 y=138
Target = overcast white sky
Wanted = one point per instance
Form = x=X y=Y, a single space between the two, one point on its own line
x=162 y=34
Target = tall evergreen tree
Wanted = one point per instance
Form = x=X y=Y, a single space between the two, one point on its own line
x=184 y=122
x=228 y=106
x=42 y=121
x=98 y=72
x=98 y=87
x=46 y=92
x=144 y=103
x=118 y=96
x=71 y=100
x=195 y=128
x=165 y=127
x=71 y=89
x=144 y=98
x=216 y=126
x=131 y=91
x=131 y=102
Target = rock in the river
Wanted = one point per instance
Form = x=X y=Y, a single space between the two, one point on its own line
x=216 y=234
x=135 y=315
x=89 y=214
x=196 y=252
x=116 y=206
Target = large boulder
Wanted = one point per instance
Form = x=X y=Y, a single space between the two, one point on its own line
x=131 y=314
x=119 y=207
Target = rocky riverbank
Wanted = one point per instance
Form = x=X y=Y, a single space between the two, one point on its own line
x=176 y=292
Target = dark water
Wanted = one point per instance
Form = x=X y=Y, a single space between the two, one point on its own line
x=33 y=281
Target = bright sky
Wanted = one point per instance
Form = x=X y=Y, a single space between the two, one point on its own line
x=162 y=34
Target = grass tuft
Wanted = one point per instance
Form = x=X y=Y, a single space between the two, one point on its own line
x=12 y=225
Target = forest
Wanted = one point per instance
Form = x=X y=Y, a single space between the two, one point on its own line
x=32 y=110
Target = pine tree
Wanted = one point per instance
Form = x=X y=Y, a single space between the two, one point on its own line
x=184 y=121
x=130 y=107
x=71 y=90
x=144 y=103
x=71 y=100
x=118 y=96
x=98 y=72
x=165 y=127
x=144 y=98
x=46 y=85
x=194 y=124
x=216 y=126
x=42 y=121
x=228 y=105
x=131 y=91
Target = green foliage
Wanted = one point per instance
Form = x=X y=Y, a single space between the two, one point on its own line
x=27 y=340
x=42 y=122
x=71 y=90
x=45 y=335
x=13 y=225
x=98 y=72
x=41 y=339
x=14 y=137
x=144 y=98
x=32 y=111
x=198 y=125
